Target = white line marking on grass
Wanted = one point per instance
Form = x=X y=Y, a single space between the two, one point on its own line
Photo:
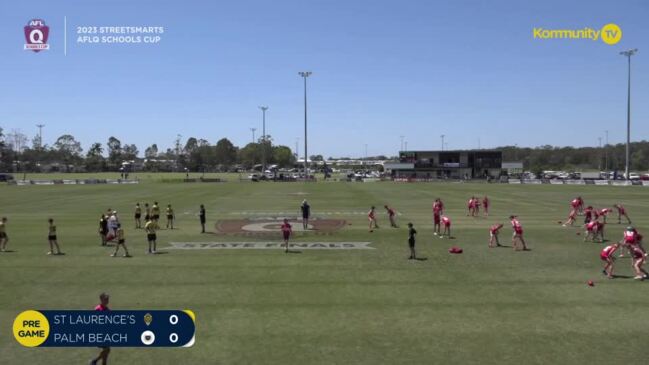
x=278 y=213
x=269 y=245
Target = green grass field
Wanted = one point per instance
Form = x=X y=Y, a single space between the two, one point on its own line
x=487 y=306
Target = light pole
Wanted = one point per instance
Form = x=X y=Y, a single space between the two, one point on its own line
x=599 y=165
x=40 y=135
x=401 y=142
x=304 y=75
x=606 y=155
x=263 y=138
x=366 y=151
x=516 y=152
x=406 y=146
x=442 y=136
x=628 y=55
x=253 y=134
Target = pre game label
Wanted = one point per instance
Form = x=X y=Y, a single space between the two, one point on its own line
x=107 y=328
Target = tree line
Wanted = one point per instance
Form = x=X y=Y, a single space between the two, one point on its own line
x=200 y=155
x=67 y=154
x=548 y=157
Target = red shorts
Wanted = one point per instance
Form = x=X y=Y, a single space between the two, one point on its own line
x=518 y=231
x=286 y=235
x=436 y=219
x=604 y=257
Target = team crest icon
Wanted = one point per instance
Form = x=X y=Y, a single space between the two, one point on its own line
x=36 y=34
x=148 y=318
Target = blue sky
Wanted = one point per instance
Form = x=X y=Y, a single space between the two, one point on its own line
x=381 y=69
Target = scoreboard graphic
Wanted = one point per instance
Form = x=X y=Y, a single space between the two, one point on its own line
x=118 y=328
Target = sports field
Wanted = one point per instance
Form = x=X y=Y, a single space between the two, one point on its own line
x=487 y=306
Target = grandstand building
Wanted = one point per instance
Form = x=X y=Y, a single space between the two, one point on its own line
x=469 y=164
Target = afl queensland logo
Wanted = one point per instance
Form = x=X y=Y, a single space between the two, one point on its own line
x=36 y=34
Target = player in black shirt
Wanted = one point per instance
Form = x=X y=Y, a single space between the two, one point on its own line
x=202 y=217
x=103 y=229
x=411 y=241
x=306 y=213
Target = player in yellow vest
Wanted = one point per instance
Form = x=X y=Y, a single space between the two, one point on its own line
x=120 y=242
x=155 y=213
x=170 y=217
x=51 y=237
x=138 y=216
x=150 y=228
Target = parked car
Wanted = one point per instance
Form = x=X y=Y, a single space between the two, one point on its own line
x=6 y=177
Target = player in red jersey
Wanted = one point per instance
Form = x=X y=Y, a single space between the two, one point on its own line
x=596 y=214
x=629 y=237
x=371 y=215
x=574 y=204
x=591 y=231
x=391 y=216
x=437 y=217
x=588 y=214
x=632 y=238
x=607 y=256
x=102 y=307
x=517 y=236
x=571 y=218
x=580 y=205
x=604 y=213
x=440 y=205
x=632 y=241
x=599 y=231
x=485 y=205
x=287 y=230
x=470 y=207
x=493 y=235
x=639 y=256
x=446 y=221
x=621 y=212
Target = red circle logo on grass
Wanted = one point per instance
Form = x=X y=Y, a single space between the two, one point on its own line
x=271 y=225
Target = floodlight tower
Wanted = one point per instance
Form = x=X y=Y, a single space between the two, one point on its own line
x=606 y=155
x=628 y=55
x=599 y=165
x=40 y=135
x=263 y=138
x=304 y=75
